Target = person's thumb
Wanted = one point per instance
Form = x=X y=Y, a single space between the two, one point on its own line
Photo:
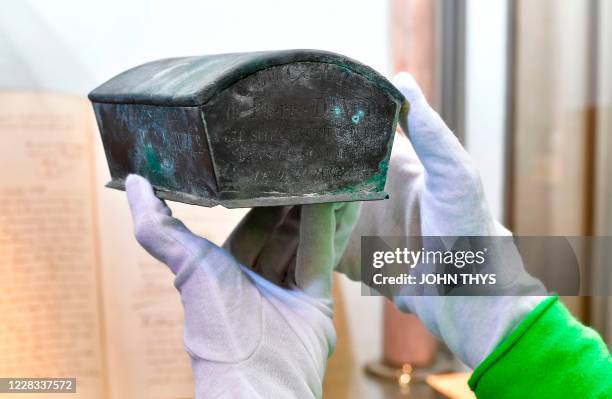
x=453 y=201
x=438 y=149
x=164 y=237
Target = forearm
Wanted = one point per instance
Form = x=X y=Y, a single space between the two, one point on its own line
x=470 y=326
x=548 y=355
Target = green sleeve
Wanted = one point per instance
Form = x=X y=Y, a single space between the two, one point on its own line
x=548 y=355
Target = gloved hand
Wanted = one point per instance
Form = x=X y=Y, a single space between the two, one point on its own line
x=435 y=190
x=246 y=336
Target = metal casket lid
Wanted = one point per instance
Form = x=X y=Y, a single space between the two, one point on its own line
x=192 y=81
x=251 y=129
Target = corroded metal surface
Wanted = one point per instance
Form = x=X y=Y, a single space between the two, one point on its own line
x=260 y=129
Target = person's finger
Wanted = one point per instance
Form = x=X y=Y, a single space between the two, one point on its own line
x=164 y=237
x=452 y=187
x=205 y=275
x=437 y=147
x=266 y=240
x=277 y=256
x=275 y=259
x=315 y=254
x=346 y=215
x=250 y=236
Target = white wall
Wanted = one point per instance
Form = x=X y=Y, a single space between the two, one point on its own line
x=75 y=45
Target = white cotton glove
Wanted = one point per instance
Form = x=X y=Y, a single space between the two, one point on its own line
x=435 y=190
x=267 y=239
x=247 y=337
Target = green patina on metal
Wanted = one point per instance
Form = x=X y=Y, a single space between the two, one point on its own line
x=152 y=164
x=374 y=183
x=251 y=129
x=358 y=117
x=152 y=167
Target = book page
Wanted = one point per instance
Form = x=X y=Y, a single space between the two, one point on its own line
x=144 y=315
x=50 y=321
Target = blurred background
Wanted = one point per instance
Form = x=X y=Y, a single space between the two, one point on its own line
x=525 y=85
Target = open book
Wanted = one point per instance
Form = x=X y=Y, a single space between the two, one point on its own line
x=78 y=296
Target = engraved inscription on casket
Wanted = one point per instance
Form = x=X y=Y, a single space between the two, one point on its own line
x=299 y=128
